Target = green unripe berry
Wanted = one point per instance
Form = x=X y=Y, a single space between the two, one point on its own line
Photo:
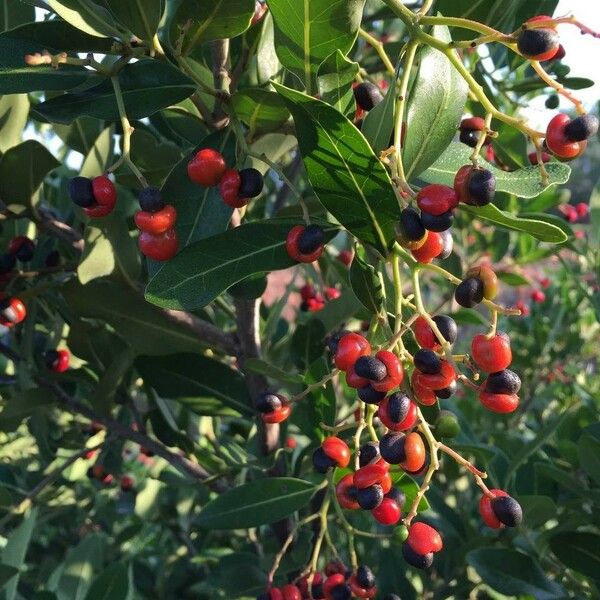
x=446 y=425
x=400 y=533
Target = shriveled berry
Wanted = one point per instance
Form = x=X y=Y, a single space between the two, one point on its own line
x=427 y=361
x=502 y=382
x=507 y=510
x=469 y=292
x=446 y=425
x=321 y=462
x=251 y=183
x=419 y=561
x=391 y=446
x=370 y=497
x=488 y=278
x=81 y=192
x=150 y=200
x=538 y=44
x=581 y=128
x=367 y=95
x=268 y=402
x=365 y=577
x=369 y=453
x=369 y=395
x=446 y=392
x=387 y=513
x=437 y=222
x=370 y=368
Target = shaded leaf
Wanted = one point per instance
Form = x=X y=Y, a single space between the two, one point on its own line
x=335 y=77
x=141 y=17
x=111 y=584
x=578 y=550
x=260 y=109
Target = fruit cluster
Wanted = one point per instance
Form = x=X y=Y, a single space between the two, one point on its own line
x=97 y=197
x=57 y=360
x=156 y=221
x=208 y=168
x=313 y=301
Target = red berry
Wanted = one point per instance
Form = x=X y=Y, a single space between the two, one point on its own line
x=291 y=592
x=395 y=373
x=359 y=591
x=156 y=222
x=473 y=123
x=355 y=381
x=12 y=311
x=582 y=209
x=275 y=594
x=331 y=582
x=433 y=247
x=229 y=188
x=545 y=282
x=437 y=381
x=291 y=443
x=307 y=292
x=341 y=492
x=159 y=247
x=557 y=141
x=499 y=403
x=294 y=240
x=105 y=196
x=538 y=296
x=127 y=482
x=387 y=513
x=277 y=416
x=22 y=247
x=207 y=167
x=533 y=159
x=61 y=363
x=486 y=511
x=349 y=349
x=386 y=419
x=424 y=334
x=332 y=293
x=345 y=257
x=491 y=354
x=337 y=450
x=414 y=450
x=523 y=308
x=423 y=538
x=423 y=395
x=369 y=475
x=436 y=199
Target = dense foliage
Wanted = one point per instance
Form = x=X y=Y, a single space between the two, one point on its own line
x=139 y=351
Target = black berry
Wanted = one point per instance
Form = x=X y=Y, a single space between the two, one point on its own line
x=367 y=95
x=446 y=392
x=391 y=446
x=50 y=357
x=150 y=200
x=437 y=223
x=341 y=592
x=398 y=406
x=251 y=183
x=334 y=338
x=371 y=368
x=469 y=292
x=370 y=497
x=398 y=496
x=581 y=128
x=81 y=192
x=411 y=224
x=470 y=137
x=419 y=561
x=267 y=403
x=53 y=258
x=427 y=361
x=503 y=382
x=369 y=395
x=482 y=187
x=311 y=238
x=507 y=511
x=533 y=42
x=447 y=327
x=365 y=577
x=321 y=462
x=368 y=454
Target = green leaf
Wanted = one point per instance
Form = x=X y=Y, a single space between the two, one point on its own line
x=14 y=110
x=22 y=170
x=81 y=134
x=540 y=230
x=524 y=183
x=436 y=105
x=210 y=20
x=13 y=553
x=79 y=567
x=513 y=573
x=14 y=13
x=206 y=268
x=588 y=448
x=537 y=510
x=6 y=573
x=192 y=379
x=201 y=211
x=141 y=94
x=379 y=122
x=512 y=279
x=87 y=16
x=256 y=503
x=345 y=174
x=308 y=31
x=261 y=110
x=22 y=405
x=111 y=584
x=255 y=365
x=146 y=329
x=98 y=257
x=335 y=77
x=578 y=550
x=141 y=17
x=367 y=284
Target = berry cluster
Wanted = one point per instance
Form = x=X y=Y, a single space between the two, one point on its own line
x=97 y=197
x=313 y=301
x=208 y=168
x=156 y=221
x=57 y=360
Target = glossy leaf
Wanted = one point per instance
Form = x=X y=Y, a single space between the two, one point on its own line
x=193 y=378
x=578 y=550
x=540 y=230
x=22 y=170
x=513 y=573
x=378 y=125
x=201 y=271
x=90 y=17
x=255 y=365
x=13 y=553
x=22 y=405
x=308 y=31
x=14 y=110
x=111 y=584
x=345 y=174
x=588 y=448
x=141 y=17
x=256 y=503
x=210 y=20
x=140 y=324
x=79 y=567
x=260 y=109
x=367 y=284
x=335 y=77
x=436 y=105
x=524 y=183
x=141 y=95
x=13 y=14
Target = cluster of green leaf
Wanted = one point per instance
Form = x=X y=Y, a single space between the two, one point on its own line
x=186 y=380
